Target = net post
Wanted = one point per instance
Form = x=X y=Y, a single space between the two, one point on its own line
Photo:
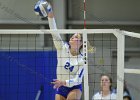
x=85 y=53
x=120 y=64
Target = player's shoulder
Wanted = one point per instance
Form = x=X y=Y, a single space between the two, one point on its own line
x=96 y=96
x=113 y=96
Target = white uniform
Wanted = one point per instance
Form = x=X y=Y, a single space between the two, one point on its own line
x=98 y=96
x=69 y=68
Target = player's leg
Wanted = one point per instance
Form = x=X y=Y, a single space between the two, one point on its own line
x=74 y=95
x=59 y=97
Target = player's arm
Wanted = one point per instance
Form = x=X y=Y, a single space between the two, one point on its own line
x=71 y=82
x=44 y=9
x=56 y=36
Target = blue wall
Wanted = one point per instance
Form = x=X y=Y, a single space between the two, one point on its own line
x=22 y=73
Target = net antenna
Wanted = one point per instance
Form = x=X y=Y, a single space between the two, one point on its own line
x=84 y=14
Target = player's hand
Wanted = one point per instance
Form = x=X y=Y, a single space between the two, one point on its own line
x=42 y=8
x=58 y=83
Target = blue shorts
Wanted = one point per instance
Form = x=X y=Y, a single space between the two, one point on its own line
x=64 y=91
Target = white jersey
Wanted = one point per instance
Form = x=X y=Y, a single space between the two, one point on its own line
x=69 y=68
x=98 y=96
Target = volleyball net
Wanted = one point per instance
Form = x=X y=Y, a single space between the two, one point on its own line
x=28 y=61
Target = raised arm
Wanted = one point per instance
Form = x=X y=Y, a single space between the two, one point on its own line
x=44 y=9
x=56 y=36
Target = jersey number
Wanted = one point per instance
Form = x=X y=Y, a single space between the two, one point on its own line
x=68 y=67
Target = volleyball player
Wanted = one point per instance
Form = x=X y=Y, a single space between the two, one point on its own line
x=70 y=66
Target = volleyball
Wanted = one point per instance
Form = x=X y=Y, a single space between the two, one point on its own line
x=38 y=8
x=42 y=7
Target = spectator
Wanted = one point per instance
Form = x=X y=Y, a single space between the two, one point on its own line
x=105 y=93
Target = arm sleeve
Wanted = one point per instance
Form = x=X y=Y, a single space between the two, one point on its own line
x=56 y=36
x=77 y=80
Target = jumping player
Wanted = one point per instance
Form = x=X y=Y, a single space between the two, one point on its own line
x=70 y=66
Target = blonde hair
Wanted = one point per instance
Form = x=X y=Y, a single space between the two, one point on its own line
x=90 y=48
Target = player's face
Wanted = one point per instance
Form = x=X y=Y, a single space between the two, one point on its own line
x=75 y=40
x=105 y=83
